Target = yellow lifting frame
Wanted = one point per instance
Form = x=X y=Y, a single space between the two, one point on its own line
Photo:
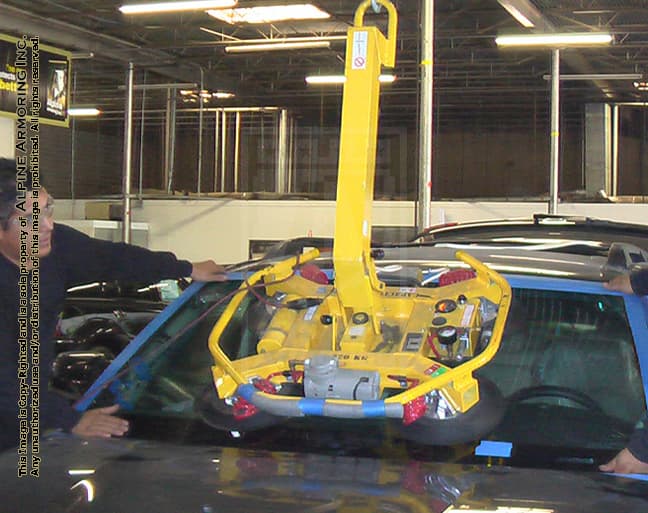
x=358 y=286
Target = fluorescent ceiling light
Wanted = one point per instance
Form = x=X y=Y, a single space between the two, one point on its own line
x=340 y=79
x=557 y=39
x=326 y=79
x=514 y=10
x=189 y=5
x=83 y=111
x=270 y=14
x=599 y=76
x=279 y=45
x=191 y=95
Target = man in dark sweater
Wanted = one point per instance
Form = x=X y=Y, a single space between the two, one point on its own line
x=634 y=458
x=33 y=289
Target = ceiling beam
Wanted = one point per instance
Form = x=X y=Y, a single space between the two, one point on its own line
x=63 y=35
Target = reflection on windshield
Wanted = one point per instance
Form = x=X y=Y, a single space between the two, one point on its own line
x=567 y=367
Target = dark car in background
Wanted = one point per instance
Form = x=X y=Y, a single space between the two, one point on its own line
x=566 y=234
x=98 y=320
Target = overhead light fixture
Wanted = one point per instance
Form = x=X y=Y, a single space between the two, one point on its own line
x=270 y=14
x=188 y=5
x=297 y=39
x=83 y=111
x=598 y=76
x=641 y=85
x=81 y=55
x=556 y=40
x=192 y=95
x=326 y=79
x=277 y=46
x=340 y=79
x=522 y=10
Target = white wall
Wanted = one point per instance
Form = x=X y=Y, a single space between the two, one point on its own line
x=220 y=228
x=7 y=137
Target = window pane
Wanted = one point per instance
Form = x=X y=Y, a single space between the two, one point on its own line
x=568 y=365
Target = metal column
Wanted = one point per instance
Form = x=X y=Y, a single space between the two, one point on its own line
x=237 y=145
x=555 y=132
x=141 y=148
x=426 y=126
x=200 y=131
x=614 y=185
x=216 y=135
x=128 y=148
x=223 y=149
x=169 y=140
x=281 y=178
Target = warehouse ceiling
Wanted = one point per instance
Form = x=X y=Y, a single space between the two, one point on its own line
x=471 y=74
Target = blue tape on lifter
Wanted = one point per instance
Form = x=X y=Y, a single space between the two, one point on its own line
x=639 y=477
x=246 y=391
x=312 y=406
x=495 y=449
x=373 y=408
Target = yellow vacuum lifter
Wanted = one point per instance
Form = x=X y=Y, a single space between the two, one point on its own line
x=348 y=345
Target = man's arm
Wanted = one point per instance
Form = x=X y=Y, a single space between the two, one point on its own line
x=101 y=423
x=208 y=270
x=625 y=463
x=635 y=282
x=634 y=458
x=85 y=259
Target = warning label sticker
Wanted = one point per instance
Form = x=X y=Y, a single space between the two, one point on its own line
x=359 y=53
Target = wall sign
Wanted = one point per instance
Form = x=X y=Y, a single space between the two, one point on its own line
x=44 y=70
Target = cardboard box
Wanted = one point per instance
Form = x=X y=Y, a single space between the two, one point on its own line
x=105 y=210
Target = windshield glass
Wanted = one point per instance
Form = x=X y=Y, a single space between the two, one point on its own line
x=566 y=366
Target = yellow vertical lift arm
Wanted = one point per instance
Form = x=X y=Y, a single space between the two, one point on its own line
x=358 y=286
x=355 y=347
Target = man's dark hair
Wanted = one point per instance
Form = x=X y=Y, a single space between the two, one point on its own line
x=8 y=190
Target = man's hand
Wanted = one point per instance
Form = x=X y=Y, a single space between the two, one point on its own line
x=208 y=271
x=100 y=423
x=620 y=283
x=625 y=463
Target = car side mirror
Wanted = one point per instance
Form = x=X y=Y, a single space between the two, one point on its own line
x=74 y=371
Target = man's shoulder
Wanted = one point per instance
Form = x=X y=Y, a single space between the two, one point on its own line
x=63 y=232
x=69 y=243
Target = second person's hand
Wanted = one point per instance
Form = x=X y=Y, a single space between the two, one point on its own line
x=208 y=270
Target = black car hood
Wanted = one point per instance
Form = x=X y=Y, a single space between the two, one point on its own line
x=137 y=476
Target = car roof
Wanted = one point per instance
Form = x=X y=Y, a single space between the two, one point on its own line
x=506 y=260
x=573 y=259
x=584 y=235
